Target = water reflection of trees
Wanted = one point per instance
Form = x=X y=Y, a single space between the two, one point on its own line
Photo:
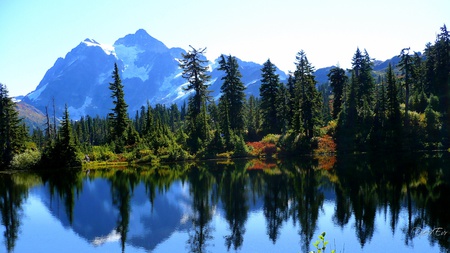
x=414 y=183
x=294 y=190
x=13 y=193
x=201 y=183
x=66 y=185
x=307 y=198
x=123 y=183
x=289 y=191
x=234 y=196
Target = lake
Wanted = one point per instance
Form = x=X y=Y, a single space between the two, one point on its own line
x=382 y=203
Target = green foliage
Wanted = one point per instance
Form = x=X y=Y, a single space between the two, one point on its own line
x=308 y=101
x=432 y=127
x=321 y=244
x=102 y=153
x=13 y=134
x=253 y=118
x=118 y=118
x=26 y=160
x=61 y=153
x=404 y=112
x=232 y=100
x=271 y=138
x=269 y=90
x=338 y=80
x=293 y=143
x=195 y=72
x=240 y=149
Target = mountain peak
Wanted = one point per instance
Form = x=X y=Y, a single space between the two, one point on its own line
x=88 y=40
x=141 y=39
x=93 y=43
x=142 y=32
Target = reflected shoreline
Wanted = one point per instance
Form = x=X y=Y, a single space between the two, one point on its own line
x=142 y=206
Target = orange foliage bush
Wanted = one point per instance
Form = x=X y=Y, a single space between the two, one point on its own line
x=326 y=144
x=259 y=148
x=260 y=165
x=326 y=162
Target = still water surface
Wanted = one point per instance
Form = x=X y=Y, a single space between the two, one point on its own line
x=363 y=203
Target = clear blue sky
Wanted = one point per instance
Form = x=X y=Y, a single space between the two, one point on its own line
x=33 y=34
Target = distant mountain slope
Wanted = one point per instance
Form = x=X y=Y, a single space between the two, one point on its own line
x=32 y=117
x=149 y=71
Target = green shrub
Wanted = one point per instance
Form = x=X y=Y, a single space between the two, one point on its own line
x=240 y=149
x=271 y=138
x=26 y=160
x=102 y=153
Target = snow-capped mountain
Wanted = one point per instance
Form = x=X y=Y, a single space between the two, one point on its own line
x=149 y=72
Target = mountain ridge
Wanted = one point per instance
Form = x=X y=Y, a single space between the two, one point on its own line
x=149 y=71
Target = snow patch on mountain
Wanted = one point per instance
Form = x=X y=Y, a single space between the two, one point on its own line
x=167 y=83
x=252 y=82
x=103 y=76
x=180 y=92
x=213 y=65
x=77 y=113
x=108 y=49
x=35 y=94
x=129 y=55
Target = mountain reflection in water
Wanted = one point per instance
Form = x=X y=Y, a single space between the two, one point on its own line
x=364 y=203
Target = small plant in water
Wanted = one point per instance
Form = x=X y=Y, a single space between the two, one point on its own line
x=321 y=244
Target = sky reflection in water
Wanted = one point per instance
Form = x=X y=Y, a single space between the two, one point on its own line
x=228 y=208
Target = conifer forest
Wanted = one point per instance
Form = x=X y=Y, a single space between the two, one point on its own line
x=404 y=109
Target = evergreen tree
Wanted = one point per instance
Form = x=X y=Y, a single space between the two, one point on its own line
x=232 y=93
x=62 y=153
x=378 y=133
x=253 y=116
x=438 y=78
x=12 y=133
x=65 y=144
x=361 y=96
x=338 y=79
x=118 y=118
x=149 y=124
x=327 y=107
x=406 y=67
x=433 y=124
x=270 y=84
x=307 y=114
x=393 y=126
x=283 y=110
x=195 y=70
x=346 y=129
x=291 y=98
x=175 y=117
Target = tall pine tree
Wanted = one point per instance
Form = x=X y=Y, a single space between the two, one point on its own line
x=406 y=67
x=269 y=89
x=307 y=114
x=12 y=134
x=233 y=96
x=118 y=117
x=338 y=79
x=394 y=120
x=65 y=143
x=195 y=71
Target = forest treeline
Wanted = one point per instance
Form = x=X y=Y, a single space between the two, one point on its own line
x=404 y=109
